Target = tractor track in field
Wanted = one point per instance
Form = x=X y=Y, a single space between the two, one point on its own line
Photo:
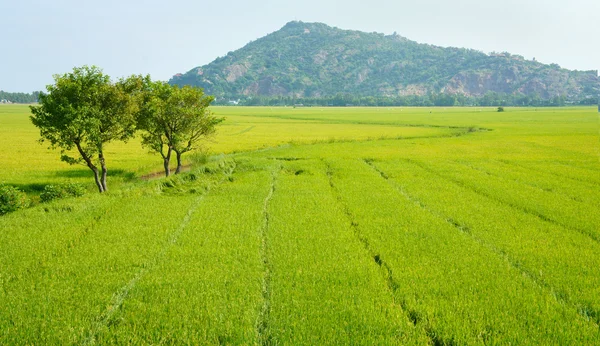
x=568 y=152
x=539 y=215
x=464 y=131
x=583 y=168
x=520 y=182
x=103 y=320
x=562 y=176
x=586 y=311
x=385 y=268
x=375 y=123
x=262 y=323
x=520 y=168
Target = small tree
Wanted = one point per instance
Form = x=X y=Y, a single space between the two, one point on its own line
x=85 y=111
x=157 y=120
x=198 y=122
x=174 y=119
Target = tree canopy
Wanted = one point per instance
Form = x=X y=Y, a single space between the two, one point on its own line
x=84 y=110
x=174 y=119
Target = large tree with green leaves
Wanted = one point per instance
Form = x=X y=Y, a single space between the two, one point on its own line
x=84 y=110
x=174 y=119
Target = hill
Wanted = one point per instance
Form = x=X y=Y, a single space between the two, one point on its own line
x=313 y=60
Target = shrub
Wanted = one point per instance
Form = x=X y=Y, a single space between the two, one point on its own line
x=500 y=109
x=52 y=192
x=74 y=190
x=11 y=199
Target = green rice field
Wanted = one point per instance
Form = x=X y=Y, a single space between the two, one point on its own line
x=315 y=226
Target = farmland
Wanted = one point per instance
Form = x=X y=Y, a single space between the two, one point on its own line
x=315 y=226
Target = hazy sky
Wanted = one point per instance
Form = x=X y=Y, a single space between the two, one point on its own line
x=42 y=38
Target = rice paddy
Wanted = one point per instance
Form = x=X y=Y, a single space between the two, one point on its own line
x=310 y=226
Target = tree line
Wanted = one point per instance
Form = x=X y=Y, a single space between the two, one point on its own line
x=85 y=110
x=490 y=99
x=19 y=97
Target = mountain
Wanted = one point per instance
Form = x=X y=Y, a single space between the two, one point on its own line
x=312 y=60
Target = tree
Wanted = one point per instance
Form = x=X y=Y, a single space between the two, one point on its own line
x=85 y=110
x=158 y=121
x=174 y=119
x=198 y=122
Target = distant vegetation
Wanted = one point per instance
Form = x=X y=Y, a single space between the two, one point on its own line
x=6 y=97
x=314 y=64
x=340 y=100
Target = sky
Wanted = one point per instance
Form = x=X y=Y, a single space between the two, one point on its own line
x=41 y=38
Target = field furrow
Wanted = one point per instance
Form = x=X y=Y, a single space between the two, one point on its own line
x=386 y=270
x=547 y=206
x=561 y=171
x=460 y=291
x=107 y=317
x=563 y=261
x=576 y=190
x=57 y=301
x=326 y=288
x=262 y=325
x=208 y=289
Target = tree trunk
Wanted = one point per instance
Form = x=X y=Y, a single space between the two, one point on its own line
x=179 y=165
x=166 y=161
x=104 y=171
x=97 y=178
x=88 y=161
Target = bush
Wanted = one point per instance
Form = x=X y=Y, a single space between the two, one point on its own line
x=500 y=109
x=11 y=199
x=74 y=190
x=52 y=192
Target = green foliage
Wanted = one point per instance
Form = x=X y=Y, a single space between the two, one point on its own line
x=500 y=109
x=85 y=110
x=11 y=199
x=52 y=192
x=309 y=62
x=174 y=119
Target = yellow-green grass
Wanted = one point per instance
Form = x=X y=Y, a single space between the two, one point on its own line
x=317 y=226
x=30 y=165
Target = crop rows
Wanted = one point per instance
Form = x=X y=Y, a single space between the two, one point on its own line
x=77 y=260
x=563 y=171
x=58 y=299
x=487 y=238
x=326 y=288
x=457 y=290
x=566 y=262
x=576 y=190
x=207 y=289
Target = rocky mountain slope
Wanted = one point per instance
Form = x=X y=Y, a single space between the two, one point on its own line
x=315 y=60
